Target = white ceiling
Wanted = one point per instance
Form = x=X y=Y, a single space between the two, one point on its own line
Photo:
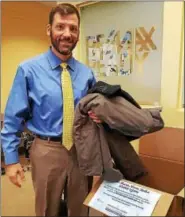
x=53 y=3
x=48 y=3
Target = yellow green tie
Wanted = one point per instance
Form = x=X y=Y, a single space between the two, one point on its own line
x=68 y=107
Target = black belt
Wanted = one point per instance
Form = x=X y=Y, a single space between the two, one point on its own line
x=53 y=139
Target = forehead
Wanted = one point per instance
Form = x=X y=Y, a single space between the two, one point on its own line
x=68 y=19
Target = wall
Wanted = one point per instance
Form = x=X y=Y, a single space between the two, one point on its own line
x=23 y=36
x=123 y=16
x=172 y=65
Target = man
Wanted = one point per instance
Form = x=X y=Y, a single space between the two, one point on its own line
x=37 y=99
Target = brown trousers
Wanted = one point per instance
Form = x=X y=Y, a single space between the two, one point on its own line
x=52 y=164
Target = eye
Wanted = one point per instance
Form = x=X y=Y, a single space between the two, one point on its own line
x=73 y=29
x=60 y=26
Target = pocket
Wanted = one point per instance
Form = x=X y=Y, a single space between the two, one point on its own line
x=32 y=146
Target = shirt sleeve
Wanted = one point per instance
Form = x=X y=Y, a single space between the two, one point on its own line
x=16 y=111
x=92 y=80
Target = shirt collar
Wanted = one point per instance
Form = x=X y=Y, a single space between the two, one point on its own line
x=55 y=61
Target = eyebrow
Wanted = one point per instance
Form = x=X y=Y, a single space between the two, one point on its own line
x=71 y=24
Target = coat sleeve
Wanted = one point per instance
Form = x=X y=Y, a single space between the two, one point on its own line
x=121 y=115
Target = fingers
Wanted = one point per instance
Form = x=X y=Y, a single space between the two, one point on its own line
x=22 y=175
x=97 y=121
x=14 y=180
x=90 y=113
x=16 y=174
x=94 y=117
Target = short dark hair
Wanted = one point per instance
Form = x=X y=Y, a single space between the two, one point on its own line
x=63 y=9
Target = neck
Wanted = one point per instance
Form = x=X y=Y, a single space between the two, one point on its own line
x=64 y=58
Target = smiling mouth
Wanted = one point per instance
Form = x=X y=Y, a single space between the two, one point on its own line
x=65 y=43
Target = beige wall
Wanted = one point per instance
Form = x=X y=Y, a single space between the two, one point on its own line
x=124 y=16
x=23 y=36
x=172 y=65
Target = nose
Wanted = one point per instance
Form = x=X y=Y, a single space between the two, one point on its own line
x=67 y=33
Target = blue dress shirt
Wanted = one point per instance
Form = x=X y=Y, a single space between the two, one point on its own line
x=36 y=96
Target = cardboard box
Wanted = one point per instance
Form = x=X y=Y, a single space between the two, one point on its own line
x=162 y=153
x=181 y=193
x=177 y=207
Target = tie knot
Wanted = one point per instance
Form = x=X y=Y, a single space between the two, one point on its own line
x=64 y=65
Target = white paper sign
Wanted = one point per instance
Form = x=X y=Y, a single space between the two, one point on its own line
x=124 y=199
x=109 y=54
x=94 y=54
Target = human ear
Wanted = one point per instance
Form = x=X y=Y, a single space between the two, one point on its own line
x=48 y=30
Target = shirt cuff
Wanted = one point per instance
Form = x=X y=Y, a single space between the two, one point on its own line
x=11 y=158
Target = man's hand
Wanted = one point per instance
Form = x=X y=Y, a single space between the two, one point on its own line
x=94 y=117
x=15 y=173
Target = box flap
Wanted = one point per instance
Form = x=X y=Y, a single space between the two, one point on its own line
x=163 y=204
x=181 y=193
x=164 y=175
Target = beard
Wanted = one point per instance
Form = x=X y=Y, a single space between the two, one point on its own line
x=65 y=49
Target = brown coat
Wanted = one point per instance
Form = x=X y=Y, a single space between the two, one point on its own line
x=96 y=146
